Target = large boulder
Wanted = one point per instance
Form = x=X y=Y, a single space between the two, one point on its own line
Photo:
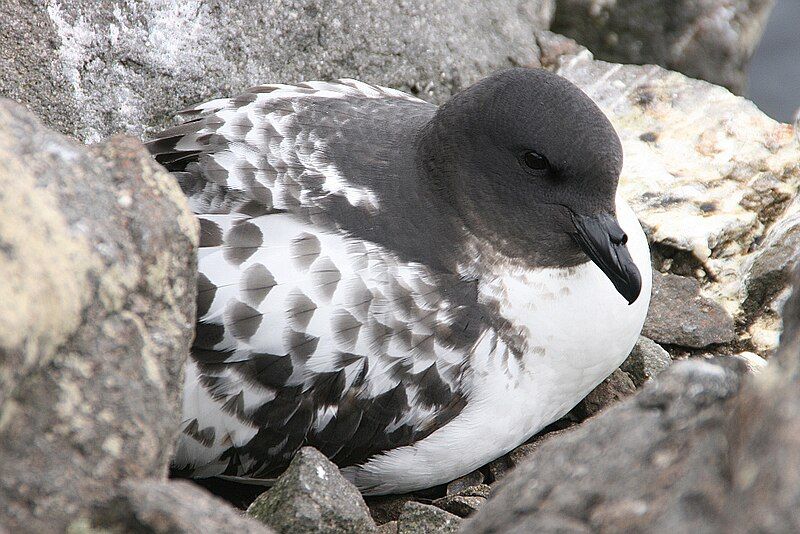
x=710 y=40
x=97 y=256
x=91 y=68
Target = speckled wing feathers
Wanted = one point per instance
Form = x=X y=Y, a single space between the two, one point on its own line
x=307 y=334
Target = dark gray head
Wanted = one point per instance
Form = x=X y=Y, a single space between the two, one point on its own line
x=529 y=162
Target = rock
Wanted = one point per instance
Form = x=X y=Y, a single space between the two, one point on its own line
x=313 y=496
x=91 y=68
x=97 y=258
x=386 y=508
x=765 y=276
x=502 y=466
x=460 y=505
x=706 y=172
x=615 y=387
x=708 y=40
x=467 y=481
x=564 y=486
x=156 y=506
x=764 y=433
x=388 y=528
x=679 y=315
x=646 y=361
x=418 y=518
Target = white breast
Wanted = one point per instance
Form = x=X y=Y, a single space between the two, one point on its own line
x=577 y=329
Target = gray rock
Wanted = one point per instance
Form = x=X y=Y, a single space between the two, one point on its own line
x=615 y=387
x=460 y=505
x=97 y=258
x=462 y=483
x=418 y=518
x=646 y=361
x=386 y=508
x=709 y=40
x=167 y=507
x=313 y=496
x=92 y=68
x=500 y=467
x=763 y=435
x=766 y=273
x=388 y=528
x=679 y=315
x=626 y=469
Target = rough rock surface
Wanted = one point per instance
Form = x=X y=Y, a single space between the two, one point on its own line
x=646 y=361
x=708 y=174
x=707 y=459
x=97 y=255
x=679 y=315
x=167 y=507
x=311 y=496
x=614 y=388
x=91 y=68
x=418 y=518
x=710 y=40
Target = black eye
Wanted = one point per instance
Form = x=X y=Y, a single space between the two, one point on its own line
x=536 y=161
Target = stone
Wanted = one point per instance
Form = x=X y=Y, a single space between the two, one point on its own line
x=764 y=433
x=94 y=67
x=679 y=315
x=97 y=258
x=500 y=467
x=386 y=508
x=615 y=387
x=707 y=173
x=462 y=483
x=418 y=518
x=388 y=528
x=313 y=496
x=167 y=507
x=765 y=276
x=712 y=41
x=460 y=505
x=626 y=469
x=646 y=361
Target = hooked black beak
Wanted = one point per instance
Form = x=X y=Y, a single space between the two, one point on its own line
x=601 y=237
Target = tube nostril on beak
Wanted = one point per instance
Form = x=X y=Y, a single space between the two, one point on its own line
x=619 y=239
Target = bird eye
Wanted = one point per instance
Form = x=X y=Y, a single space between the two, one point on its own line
x=535 y=161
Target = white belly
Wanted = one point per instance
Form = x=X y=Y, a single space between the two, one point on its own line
x=577 y=328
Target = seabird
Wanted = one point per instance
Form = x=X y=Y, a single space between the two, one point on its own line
x=412 y=290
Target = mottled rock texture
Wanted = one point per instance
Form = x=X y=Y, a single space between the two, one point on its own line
x=708 y=39
x=679 y=315
x=311 y=496
x=168 y=507
x=92 y=68
x=418 y=518
x=97 y=255
x=646 y=361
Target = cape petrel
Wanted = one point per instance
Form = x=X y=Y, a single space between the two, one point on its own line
x=412 y=290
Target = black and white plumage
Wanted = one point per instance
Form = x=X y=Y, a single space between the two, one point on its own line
x=413 y=291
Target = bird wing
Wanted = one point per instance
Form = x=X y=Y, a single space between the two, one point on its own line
x=308 y=331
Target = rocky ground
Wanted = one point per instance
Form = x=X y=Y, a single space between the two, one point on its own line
x=695 y=432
